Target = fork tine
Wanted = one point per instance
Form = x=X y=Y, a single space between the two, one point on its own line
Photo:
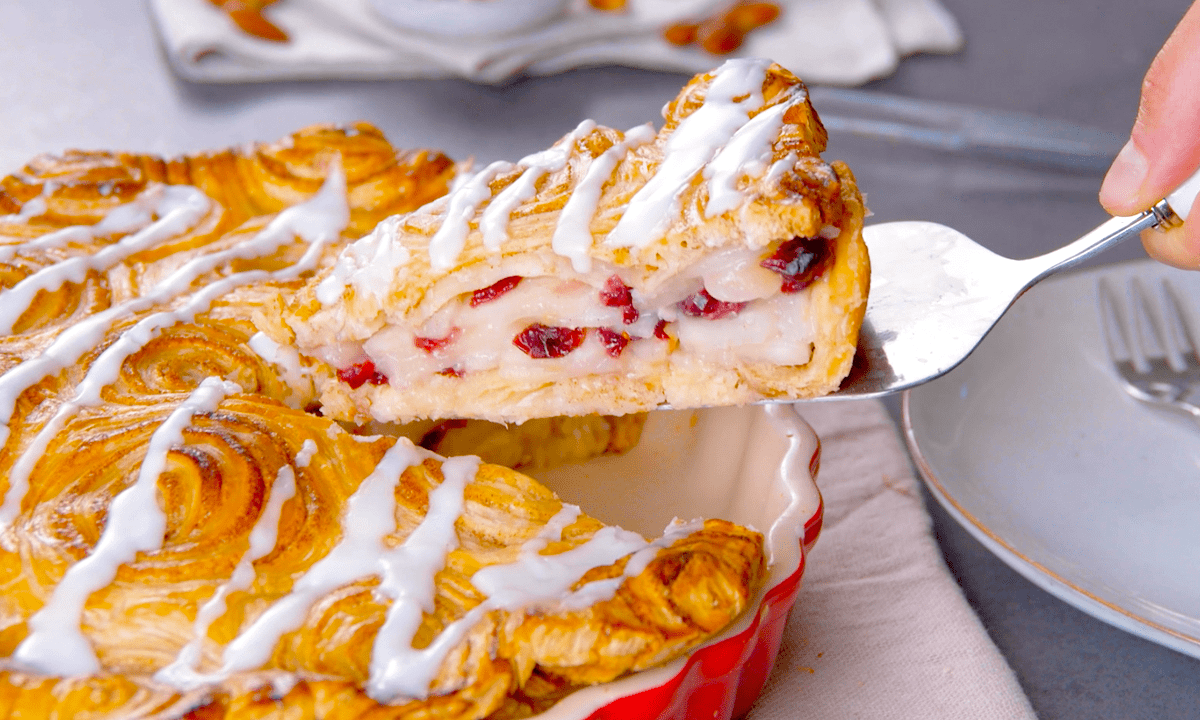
x=1116 y=332
x=1151 y=343
x=1178 y=326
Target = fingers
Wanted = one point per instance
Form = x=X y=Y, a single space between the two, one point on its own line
x=1179 y=246
x=1164 y=147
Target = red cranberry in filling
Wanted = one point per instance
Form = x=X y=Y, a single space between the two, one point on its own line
x=616 y=294
x=660 y=330
x=545 y=341
x=800 y=261
x=614 y=342
x=432 y=345
x=495 y=290
x=360 y=374
x=451 y=372
x=703 y=305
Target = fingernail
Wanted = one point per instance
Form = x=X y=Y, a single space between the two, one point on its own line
x=1124 y=179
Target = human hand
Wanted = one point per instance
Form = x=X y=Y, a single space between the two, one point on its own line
x=1164 y=147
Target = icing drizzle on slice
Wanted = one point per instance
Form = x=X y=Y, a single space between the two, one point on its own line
x=494 y=223
x=748 y=153
x=572 y=235
x=450 y=239
x=735 y=90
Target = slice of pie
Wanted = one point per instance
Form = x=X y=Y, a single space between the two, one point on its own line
x=716 y=261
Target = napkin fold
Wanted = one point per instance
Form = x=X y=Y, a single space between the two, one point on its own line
x=881 y=630
x=835 y=42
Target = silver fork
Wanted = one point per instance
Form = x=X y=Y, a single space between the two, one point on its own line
x=1155 y=354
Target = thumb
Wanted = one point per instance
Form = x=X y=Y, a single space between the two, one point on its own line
x=1164 y=147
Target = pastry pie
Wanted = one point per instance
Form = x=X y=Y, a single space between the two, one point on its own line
x=214 y=552
x=187 y=530
x=716 y=261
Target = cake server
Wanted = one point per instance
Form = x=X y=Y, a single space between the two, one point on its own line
x=935 y=293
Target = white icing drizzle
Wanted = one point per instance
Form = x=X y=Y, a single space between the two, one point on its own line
x=126 y=218
x=370 y=515
x=397 y=668
x=287 y=361
x=748 y=152
x=779 y=167
x=367 y=265
x=494 y=223
x=58 y=238
x=307 y=450
x=735 y=90
x=182 y=673
x=34 y=206
x=318 y=221
x=413 y=670
x=462 y=205
x=55 y=644
x=601 y=590
x=180 y=208
x=572 y=235
x=532 y=581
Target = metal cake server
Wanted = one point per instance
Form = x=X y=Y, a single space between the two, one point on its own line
x=935 y=293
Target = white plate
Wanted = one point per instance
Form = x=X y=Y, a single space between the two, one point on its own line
x=1033 y=446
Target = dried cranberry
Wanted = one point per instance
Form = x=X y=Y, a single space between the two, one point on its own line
x=451 y=372
x=360 y=374
x=432 y=345
x=617 y=294
x=703 y=305
x=545 y=341
x=433 y=438
x=660 y=330
x=614 y=342
x=495 y=290
x=800 y=261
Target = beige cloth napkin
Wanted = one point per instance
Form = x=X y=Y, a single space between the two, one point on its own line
x=881 y=630
x=840 y=42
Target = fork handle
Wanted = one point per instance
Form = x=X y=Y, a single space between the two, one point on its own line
x=1103 y=237
x=1174 y=208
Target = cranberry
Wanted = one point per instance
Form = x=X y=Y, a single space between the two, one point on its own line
x=800 y=261
x=360 y=374
x=433 y=438
x=660 y=330
x=616 y=294
x=432 y=345
x=703 y=305
x=545 y=341
x=495 y=290
x=614 y=342
x=451 y=372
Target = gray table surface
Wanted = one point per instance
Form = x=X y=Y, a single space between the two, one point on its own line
x=90 y=75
